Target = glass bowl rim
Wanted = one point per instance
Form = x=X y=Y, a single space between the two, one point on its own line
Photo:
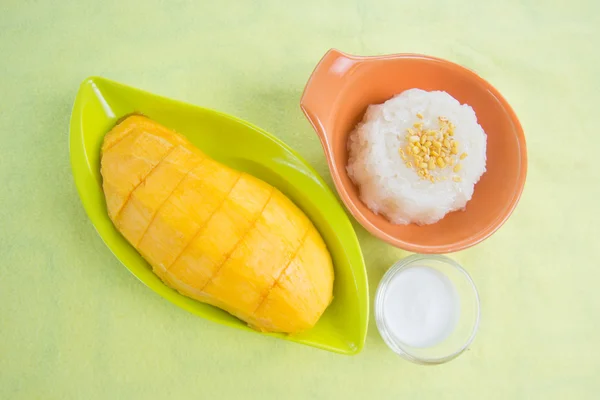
x=396 y=268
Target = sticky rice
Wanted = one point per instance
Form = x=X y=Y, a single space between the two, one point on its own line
x=383 y=163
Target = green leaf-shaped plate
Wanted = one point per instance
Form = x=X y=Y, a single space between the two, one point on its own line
x=101 y=102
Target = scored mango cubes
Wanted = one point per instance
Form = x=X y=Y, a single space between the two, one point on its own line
x=214 y=234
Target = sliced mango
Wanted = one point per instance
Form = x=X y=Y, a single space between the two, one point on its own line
x=212 y=233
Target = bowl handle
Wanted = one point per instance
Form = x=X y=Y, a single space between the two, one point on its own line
x=322 y=90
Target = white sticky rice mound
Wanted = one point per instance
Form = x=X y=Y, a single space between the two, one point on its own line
x=387 y=186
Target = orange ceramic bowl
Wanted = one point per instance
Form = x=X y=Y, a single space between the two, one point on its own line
x=335 y=100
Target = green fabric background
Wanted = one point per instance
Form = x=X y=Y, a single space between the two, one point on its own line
x=74 y=324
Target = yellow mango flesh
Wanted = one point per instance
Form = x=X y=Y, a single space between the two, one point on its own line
x=212 y=233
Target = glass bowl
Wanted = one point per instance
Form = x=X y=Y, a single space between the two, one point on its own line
x=467 y=318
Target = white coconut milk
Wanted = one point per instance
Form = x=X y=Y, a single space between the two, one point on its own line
x=421 y=307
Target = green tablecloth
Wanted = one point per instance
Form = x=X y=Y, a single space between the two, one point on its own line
x=75 y=324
